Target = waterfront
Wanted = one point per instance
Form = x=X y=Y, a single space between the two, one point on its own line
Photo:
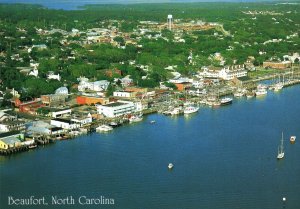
x=223 y=158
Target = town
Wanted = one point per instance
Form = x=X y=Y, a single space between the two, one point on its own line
x=61 y=79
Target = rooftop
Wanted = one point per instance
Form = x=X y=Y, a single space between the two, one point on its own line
x=115 y=104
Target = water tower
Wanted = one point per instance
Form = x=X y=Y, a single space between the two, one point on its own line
x=170 y=22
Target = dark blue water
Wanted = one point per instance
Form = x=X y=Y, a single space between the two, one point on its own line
x=224 y=158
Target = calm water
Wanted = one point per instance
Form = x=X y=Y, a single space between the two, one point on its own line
x=74 y=4
x=224 y=158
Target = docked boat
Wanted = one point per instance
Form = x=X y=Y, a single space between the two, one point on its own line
x=278 y=86
x=170 y=166
x=114 y=124
x=280 y=154
x=104 y=128
x=176 y=111
x=190 y=109
x=238 y=94
x=135 y=118
x=226 y=101
x=32 y=146
x=260 y=92
x=293 y=139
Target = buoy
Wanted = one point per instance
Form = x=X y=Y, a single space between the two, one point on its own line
x=284 y=199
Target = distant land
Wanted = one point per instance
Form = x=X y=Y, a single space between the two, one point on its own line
x=75 y=4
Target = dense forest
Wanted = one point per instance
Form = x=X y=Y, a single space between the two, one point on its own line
x=19 y=25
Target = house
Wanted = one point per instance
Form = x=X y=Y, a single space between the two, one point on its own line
x=55 y=113
x=11 y=139
x=92 y=86
x=91 y=100
x=112 y=72
x=62 y=90
x=64 y=123
x=5 y=116
x=12 y=125
x=126 y=81
x=53 y=99
x=116 y=109
x=183 y=86
x=53 y=76
x=83 y=120
x=124 y=94
x=29 y=107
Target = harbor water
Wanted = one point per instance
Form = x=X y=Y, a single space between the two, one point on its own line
x=223 y=158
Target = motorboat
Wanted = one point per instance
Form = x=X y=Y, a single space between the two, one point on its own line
x=226 y=101
x=190 y=109
x=292 y=139
x=104 y=128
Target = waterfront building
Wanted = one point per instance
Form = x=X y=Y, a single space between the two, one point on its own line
x=116 y=109
x=225 y=73
x=229 y=73
x=83 y=120
x=64 y=123
x=55 y=113
x=11 y=140
x=12 y=125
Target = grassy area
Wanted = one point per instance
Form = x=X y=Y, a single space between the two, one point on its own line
x=263 y=72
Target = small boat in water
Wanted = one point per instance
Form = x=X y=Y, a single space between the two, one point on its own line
x=226 y=101
x=170 y=166
x=104 y=128
x=280 y=154
x=152 y=121
x=293 y=139
x=190 y=109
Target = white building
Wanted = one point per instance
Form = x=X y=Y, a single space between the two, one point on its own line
x=116 y=109
x=126 y=81
x=226 y=73
x=64 y=123
x=59 y=113
x=83 y=120
x=229 y=73
x=51 y=75
x=34 y=72
x=93 y=86
x=125 y=94
x=62 y=90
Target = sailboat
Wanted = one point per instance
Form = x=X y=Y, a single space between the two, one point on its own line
x=280 y=154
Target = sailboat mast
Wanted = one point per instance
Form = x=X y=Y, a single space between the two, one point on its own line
x=281 y=142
